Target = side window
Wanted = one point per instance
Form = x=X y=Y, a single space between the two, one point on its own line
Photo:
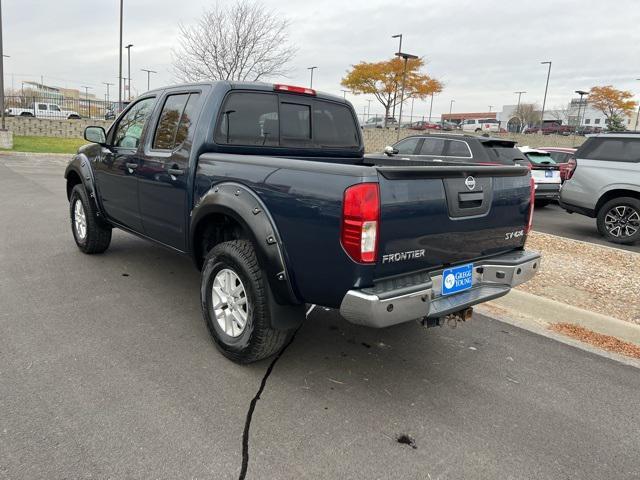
x=432 y=146
x=42 y=106
x=611 y=149
x=407 y=146
x=458 y=149
x=176 y=118
x=248 y=119
x=129 y=130
x=597 y=121
x=54 y=108
x=164 y=136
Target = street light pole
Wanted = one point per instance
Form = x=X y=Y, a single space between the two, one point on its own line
x=344 y=93
x=311 y=81
x=120 y=60
x=128 y=47
x=395 y=88
x=451 y=108
x=431 y=107
x=3 y=125
x=149 y=72
x=518 y=110
x=368 y=109
x=637 y=114
x=86 y=91
x=406 y=57
x=546 y=87
x=490 y=107
x=107 y=84
x=581 y=93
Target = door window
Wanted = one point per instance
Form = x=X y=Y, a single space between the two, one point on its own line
x=42 y=106
x=129 y=130
x=407 y=146
x=175 y=120
x=458 y=148
x=432 y=146
x=54 y=108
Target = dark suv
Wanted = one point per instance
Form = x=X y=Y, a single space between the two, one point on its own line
x=456 y=148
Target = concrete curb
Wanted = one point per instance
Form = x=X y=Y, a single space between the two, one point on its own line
x=591 y=244
x=545 y=311
x=9 y=153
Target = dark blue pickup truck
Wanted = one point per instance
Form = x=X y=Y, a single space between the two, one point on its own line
x=267 y=188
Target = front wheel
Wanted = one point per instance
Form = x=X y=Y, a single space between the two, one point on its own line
x=91 y=234
x=619 y=220
x=234 y=301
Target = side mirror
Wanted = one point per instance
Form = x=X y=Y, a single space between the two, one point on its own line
x=389 y=150
x=95 y=135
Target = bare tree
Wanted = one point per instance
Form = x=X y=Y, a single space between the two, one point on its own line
x=243 y=41
x=528 y=114
x=560 y=113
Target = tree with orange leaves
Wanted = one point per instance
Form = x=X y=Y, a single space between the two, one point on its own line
x=614 y=104
x=381 y=78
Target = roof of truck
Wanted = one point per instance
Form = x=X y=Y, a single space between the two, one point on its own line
x=260 y=86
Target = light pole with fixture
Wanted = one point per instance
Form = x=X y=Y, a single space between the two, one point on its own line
x=490 y=107
x=128 y=47
x=344 y=93
x=107 y=84
x=120 y=61
x=149 y=72
x=520 y=119
x=2 y=126
x=546 y=88
x=637 y=114
x=582 y=93
x=311 y=69
x=406 y=57
x=431 y=107
x=395 y=87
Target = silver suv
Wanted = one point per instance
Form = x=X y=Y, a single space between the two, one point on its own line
x=604 y=183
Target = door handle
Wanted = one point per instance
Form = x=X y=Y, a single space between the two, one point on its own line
x=131 y=166
x=175 y=171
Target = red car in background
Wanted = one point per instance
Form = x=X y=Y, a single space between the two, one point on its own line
x=424 y=125
x=563 y=157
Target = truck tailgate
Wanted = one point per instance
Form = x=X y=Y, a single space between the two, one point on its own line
x=436 y=216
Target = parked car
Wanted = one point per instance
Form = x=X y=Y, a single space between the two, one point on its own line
x=455 y=148
x=266 y=188
x=604 y=183
x=424 y=125
x=563 y=158
x=481 y=125
x=448 y=126
x=379 y=122
x=42 y=110
x=545 y=173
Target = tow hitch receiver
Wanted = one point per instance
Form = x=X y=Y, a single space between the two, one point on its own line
x=451 y=319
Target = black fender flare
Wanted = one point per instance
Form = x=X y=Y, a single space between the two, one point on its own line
x=81 y=166
x=243 y=205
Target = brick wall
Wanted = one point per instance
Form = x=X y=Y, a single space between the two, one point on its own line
x=375 y=139
x=40 y=127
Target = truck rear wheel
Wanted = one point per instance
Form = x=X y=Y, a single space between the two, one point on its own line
x=234 y=303
x=90 y=233
x=619 y=220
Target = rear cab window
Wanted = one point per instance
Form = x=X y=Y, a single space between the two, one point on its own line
x=504 y=153
x=285 y=120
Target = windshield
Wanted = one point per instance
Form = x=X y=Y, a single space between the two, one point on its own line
x=540 y=158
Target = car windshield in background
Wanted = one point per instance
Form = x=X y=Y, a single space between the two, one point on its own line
x=264 y=119
x=540 y=158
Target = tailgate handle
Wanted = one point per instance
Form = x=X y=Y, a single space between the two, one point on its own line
x=470 y=199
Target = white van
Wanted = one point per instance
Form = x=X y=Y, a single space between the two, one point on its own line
x=481 y=125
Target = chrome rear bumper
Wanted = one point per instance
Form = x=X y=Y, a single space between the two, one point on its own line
x=416 y=296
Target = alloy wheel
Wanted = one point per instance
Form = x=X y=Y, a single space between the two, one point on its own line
x=79 y=220
x=230 y=303
x=622 y=221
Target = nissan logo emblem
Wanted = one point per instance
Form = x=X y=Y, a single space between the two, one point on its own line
x=470 y=182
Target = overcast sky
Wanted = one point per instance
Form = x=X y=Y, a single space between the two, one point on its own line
x=483 y=51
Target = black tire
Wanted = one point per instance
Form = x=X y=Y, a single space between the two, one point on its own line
x=626 y=223
x=542 y=203
x=257 y=339
x=26 y=114
x=97 y=234
x=478 y=130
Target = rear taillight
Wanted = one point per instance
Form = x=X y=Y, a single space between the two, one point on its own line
x=360 y=222
x=532 y=201
x=571 y=168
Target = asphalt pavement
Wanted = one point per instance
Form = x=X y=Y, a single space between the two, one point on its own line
x=107 y=371
x=555 y=220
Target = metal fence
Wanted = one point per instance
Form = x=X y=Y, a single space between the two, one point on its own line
x=58 y=107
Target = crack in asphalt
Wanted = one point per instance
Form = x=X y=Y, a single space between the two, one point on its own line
x=254 y=402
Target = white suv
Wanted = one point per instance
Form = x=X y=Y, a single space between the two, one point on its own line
x=481 y=125
x=604 y=182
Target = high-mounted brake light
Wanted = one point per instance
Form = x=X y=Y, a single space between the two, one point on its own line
x=360 y=221
x=293 y=89
x=571 y=168
x=532 y=201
